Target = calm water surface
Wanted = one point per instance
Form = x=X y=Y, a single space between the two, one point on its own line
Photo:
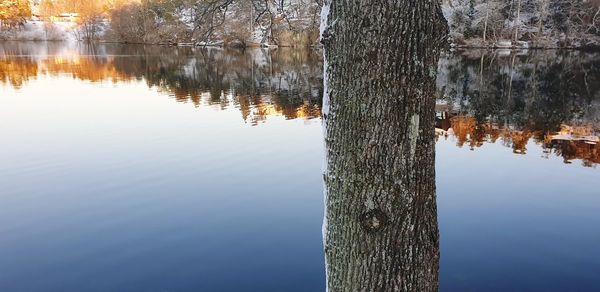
x=130 y=168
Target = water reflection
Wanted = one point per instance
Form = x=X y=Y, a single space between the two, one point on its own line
x=260 y=83
x=550 y=99
x=127 y=177
x=569 y=142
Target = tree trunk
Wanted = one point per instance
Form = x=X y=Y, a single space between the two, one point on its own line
x=380 y=229
x=542 y=15
x=517 y=22
x=485 y=24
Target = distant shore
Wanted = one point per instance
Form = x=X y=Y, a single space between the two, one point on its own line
x=593 y=48
x=41 y=31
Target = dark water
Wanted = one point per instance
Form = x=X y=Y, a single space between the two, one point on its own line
x=129 y=168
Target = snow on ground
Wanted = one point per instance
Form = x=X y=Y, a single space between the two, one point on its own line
x=40 y=31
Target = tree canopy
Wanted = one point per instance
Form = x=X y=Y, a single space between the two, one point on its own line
x=14 y=12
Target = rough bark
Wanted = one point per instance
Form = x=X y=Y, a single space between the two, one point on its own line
x=380 y=230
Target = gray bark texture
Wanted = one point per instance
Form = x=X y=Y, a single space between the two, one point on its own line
x=380 y=230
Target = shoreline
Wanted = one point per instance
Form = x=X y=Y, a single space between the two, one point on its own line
x=588 y=48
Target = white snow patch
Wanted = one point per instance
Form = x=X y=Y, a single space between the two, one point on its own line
x=325 y=111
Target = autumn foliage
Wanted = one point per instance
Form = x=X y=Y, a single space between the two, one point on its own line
x=14 y=12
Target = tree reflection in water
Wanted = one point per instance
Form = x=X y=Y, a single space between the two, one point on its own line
x=260 y=83
x=551 y=98
x=548 y=98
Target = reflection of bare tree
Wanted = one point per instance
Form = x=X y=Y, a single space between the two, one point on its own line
x=575 y=143
x=260 y=83
x=579 y=142
x=550 y=90
x=17 y=71
x=519 y=97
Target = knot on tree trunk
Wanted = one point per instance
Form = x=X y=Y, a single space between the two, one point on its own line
x=373 y=220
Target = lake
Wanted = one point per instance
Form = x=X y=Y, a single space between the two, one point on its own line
x=148 y=168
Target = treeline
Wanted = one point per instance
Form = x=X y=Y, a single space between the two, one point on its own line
x=533 y=23
x=214 y=22
x=228 y=22
x=489 y=23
